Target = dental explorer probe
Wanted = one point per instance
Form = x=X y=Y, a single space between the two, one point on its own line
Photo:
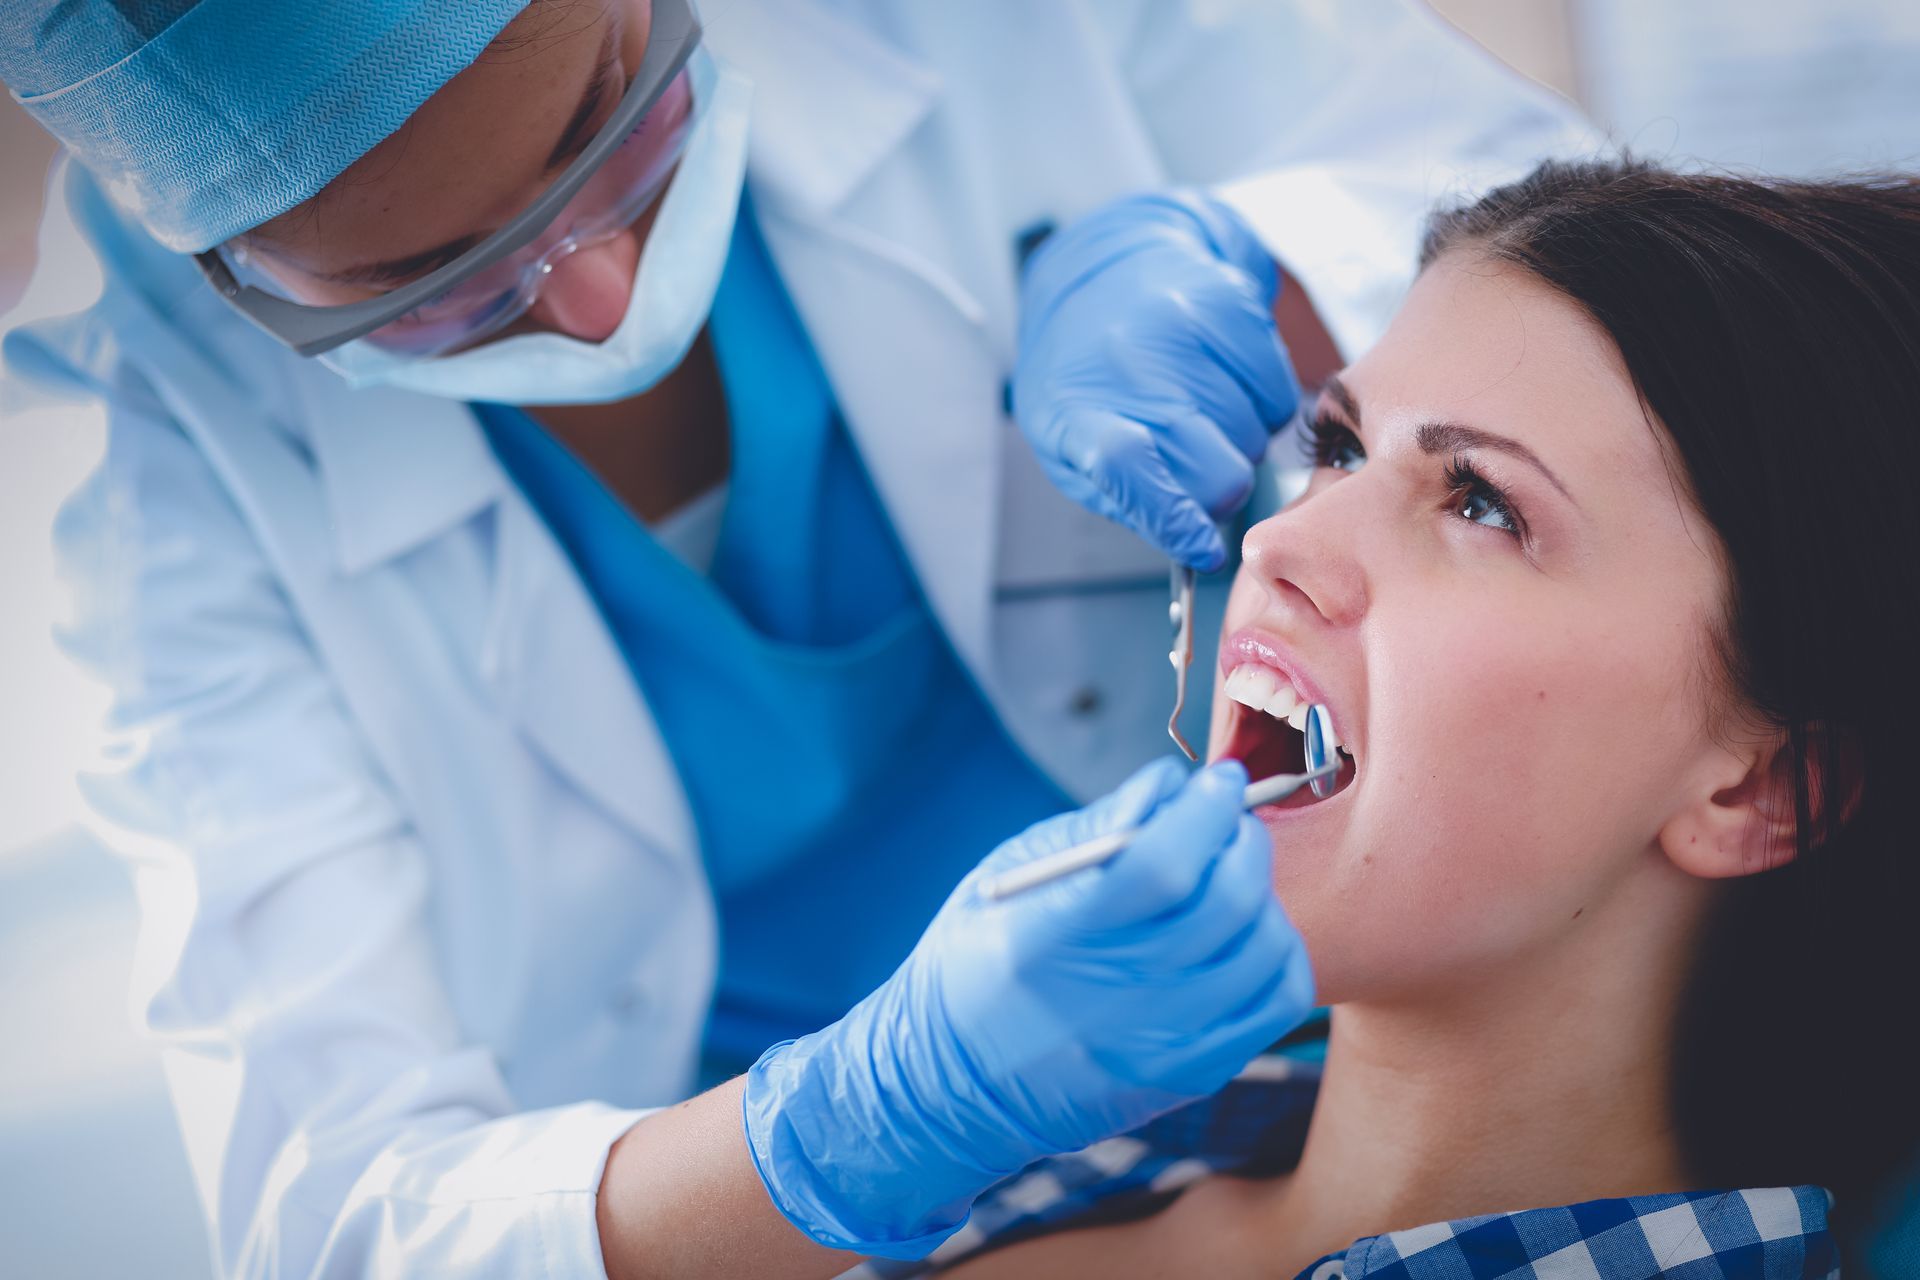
x=1321 y=763
x=1180 y=613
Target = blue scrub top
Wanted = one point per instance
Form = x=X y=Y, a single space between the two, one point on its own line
x=842 y=768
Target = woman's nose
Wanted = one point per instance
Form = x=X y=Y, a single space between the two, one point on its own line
x=586 y=293
x=1308 y=555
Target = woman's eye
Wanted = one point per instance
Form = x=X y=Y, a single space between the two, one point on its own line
x=1335 y=446
x=1479 y=502
x=1483 y=508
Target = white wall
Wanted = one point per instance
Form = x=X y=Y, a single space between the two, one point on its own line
x=93 y=1175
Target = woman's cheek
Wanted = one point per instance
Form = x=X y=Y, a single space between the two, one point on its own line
x=1455 y=853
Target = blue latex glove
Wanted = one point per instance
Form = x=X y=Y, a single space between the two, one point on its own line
x=1039 y=1024
x=1151 y=374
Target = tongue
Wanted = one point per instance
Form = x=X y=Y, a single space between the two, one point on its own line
x=1265 y=745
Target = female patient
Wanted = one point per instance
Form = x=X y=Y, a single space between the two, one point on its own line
x=1612 y=905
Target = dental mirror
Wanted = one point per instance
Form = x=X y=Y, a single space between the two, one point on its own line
x=1320 y=752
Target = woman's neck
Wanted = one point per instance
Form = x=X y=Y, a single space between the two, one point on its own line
x=1548 y=1087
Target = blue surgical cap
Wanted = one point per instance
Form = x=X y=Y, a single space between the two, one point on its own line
x=204 y=118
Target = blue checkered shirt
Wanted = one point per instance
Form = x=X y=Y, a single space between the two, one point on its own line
x=1255 y=1127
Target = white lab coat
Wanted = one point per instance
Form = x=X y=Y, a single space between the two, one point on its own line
x=425 y=924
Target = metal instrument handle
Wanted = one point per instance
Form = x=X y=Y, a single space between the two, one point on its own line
x=1091 y=853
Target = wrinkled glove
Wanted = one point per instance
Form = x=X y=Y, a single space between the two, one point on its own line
x=1151 y=374
x=1038 y=1024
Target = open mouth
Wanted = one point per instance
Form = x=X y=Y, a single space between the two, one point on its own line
x=1266 y=731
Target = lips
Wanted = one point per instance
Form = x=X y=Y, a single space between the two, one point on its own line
x=1266 y=724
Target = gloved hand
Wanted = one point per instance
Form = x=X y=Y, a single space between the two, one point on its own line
x=1151 y=374
x=1039 y=1024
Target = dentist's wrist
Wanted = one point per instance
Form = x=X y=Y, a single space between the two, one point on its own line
x=838 y=1132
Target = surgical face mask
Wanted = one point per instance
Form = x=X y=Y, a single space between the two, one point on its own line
x=673 y=288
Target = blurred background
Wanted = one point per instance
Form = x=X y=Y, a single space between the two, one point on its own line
x=1780 y=86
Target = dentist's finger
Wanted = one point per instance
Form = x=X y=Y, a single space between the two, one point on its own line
x=1239 y=1034
x=1184 y=532
x=1184 y=945
x=1119 y=458
x=1242 y=336
x=1205 y=463
x=1127 y=805
x=1172 y=858
x=1236 y=901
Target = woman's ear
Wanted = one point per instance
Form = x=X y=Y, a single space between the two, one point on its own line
x=1743 y=818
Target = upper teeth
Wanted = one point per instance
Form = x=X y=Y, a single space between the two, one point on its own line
x=1265 y=689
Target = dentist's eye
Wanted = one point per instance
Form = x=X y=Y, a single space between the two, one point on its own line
x=1329 y=444
x=1478 y=501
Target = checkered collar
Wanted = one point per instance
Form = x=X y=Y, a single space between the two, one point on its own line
x=1256 y=1126
x=1776 y=1233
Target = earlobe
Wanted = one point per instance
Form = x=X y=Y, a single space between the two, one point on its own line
x=1742 y=820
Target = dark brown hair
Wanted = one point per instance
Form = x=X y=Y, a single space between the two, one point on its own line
x=1772 y=330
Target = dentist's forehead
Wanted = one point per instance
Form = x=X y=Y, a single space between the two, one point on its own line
x=473 y=153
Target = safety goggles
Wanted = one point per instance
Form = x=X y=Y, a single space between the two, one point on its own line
x=494 y=283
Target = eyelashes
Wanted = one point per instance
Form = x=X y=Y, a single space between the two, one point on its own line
x=1327 y=442
x=1478 y=500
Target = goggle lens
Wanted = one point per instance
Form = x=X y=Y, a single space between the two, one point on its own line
x=484 y=303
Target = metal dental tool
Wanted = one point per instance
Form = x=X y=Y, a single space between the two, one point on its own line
x=1180 y=613
x=1323 y=766
x=1320 y=731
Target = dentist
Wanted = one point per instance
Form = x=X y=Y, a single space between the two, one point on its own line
x=577 y=599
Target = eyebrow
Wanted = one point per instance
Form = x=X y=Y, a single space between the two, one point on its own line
x=573 y=140
x=397 y=269
x=579 y=132
x=1450 y=437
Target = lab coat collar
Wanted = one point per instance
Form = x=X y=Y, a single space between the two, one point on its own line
x=559 y=672
x=917 y=425
x=831 y=99
x=398 y=467
x=834 y=103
